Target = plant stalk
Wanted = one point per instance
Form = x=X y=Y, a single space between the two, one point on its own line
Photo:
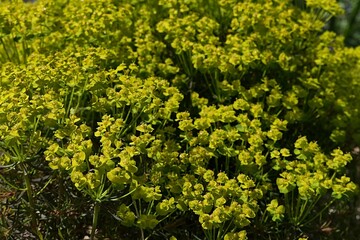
x=95 y=220
x=30 y=194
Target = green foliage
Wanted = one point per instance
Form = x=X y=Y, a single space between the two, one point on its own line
x=212 y=119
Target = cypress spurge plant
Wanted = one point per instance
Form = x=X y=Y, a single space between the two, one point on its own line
x=104 y=164
x=232 y=116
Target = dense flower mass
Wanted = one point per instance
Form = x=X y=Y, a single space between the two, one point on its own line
x=231 y=115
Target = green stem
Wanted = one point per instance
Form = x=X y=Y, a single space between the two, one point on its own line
x=5 y=49
x=95 y=220
x=309 y=209
x=16 y=51
x=303 y=210
x=318 y=214
x=24 y=49
x=70 y=102
x=215 y=84
x=297 y=212
x=142 y=234
x=30 y=195
x=209 y=86
x=137 y=211
x=10 y=184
